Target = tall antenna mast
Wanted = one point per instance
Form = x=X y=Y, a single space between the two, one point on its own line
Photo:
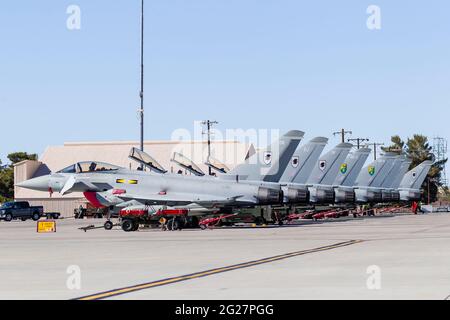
x=141 y=94
x=209 y=124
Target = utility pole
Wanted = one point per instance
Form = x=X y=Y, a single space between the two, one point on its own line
x=375 y=146
x=141 y=93
x=342 y=133
x=209 y=124
x=429 y=190
x=358 y=141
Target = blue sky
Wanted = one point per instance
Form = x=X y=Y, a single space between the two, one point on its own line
x=284 y=64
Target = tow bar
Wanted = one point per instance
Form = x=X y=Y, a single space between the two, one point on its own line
x=108 y=225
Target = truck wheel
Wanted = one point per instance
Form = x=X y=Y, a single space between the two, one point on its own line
x=108 y=225
x=8 y=217
x=36 y=216
x=127 y=225
x=135 y=226
x=23 y=219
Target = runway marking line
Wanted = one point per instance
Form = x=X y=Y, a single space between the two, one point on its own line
x=202 y=274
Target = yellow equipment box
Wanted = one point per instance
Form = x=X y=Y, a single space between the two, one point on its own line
x=46 y=226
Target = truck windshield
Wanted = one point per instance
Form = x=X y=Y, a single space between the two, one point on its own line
x=7 y=205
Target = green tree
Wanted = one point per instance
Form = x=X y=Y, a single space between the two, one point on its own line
x=17 y=157
x=418 y=149
x=7 y=174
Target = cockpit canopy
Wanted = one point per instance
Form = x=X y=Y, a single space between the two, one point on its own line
x=89 y=166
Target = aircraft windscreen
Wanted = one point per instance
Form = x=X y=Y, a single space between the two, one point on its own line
x=93 y=166
x=187 y=164
x=69 y=169
x=146 y=160
x=89 y=166
x=217 y=165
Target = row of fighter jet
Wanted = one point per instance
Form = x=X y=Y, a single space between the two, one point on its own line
x=285 y=173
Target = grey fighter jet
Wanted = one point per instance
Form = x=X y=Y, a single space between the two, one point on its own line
x=368 y=185
x=106 y=185
x=324 y=174
x=410 y=186
x=348 y=173
x=289 y=170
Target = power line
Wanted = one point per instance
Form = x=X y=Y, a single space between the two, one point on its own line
x=440 y=148
x=342 y=133
x=358 y=141
x=375 y=147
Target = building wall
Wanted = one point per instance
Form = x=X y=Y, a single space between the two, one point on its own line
x=64 y=206
x=24 y=171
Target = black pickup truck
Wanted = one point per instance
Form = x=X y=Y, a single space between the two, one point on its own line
x=20 y=210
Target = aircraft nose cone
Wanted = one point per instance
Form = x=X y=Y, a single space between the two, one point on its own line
x=38 y=184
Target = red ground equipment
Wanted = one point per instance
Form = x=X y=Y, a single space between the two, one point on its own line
x=210 y=222
x=174 y=219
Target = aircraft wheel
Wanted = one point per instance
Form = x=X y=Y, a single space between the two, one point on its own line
x=127 y=225
x=36 y=216
x=8 y=217
x=170 y=224
x=173 y=224
x=260 y=221
x=108 y=225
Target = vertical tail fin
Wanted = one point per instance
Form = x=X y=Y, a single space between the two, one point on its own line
x=353 y=165
x=401 y=173
x=394 y=172
x=415 y=178
x=328 y=166
x=374 y=174
x=303 y=161
x=269 y=164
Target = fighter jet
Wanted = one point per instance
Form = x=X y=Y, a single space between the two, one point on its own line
x=368 y=184
x=324 y=174
x=389 y=192
x=410 y=186
x=288 y=171
x=269 y=164
x=348 y=173
x=106 y=185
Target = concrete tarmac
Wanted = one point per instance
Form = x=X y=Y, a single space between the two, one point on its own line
x=401 y=257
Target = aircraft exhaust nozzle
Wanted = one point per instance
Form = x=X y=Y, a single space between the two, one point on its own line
x=297 y=195
x=321 y=195
x=344 y=195
x=269 y=196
